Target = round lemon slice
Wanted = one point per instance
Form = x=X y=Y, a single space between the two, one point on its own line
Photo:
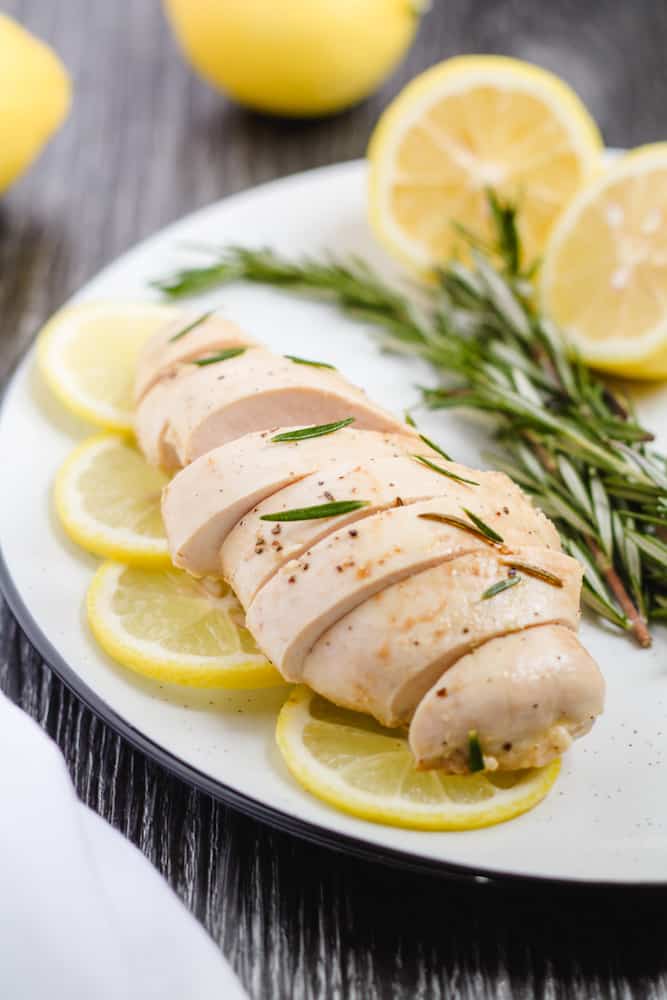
x=88 y=354
x=466 y=126
x=604 y=276
x=351 y=762
x=108 y=500
x=173 y=628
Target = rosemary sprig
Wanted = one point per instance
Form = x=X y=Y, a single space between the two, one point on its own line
x=565 y=436
x=213 y=359
x=333 y=509
x=318 y=430
x=500 y=586
x=305 y=361
x=443 y=472
x=191 y=326
x=475 y=755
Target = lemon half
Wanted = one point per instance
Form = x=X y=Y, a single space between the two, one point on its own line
x=356 y=765
x=463 y=127
x=604 y=276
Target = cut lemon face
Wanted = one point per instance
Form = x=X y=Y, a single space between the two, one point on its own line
x=108 y=500
x=463 y=127
x=604 y=276
x=88 y=354
x=351 y=762
x=173 y=628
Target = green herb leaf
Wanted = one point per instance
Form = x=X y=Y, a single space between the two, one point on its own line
x=409 y=419
x=438 y=449
x=444 y=472
x=483 y=527
x=475 y=755
x=536 y=571
x=191 y=326
x=213 y=359
x=456 y=522
x=318 y=430
x=497 y=588
x=333 y=509
x=305 y=361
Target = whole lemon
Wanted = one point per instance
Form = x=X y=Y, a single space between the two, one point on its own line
x=34 y=98
x=294 y=57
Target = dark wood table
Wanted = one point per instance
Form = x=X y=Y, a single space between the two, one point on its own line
x=145 y=143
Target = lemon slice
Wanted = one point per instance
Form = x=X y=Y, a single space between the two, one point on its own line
x=108 y=500
x=88 y=353
x=168 y=626
x=463 y=127
x=351 y=762
x=604 y=276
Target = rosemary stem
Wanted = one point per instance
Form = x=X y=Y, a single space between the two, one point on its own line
x=606 y=567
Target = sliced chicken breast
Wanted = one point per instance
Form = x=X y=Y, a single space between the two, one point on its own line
x=212 y=405
x=255 y=550
x=526 y=695
x=384 y=656
x=162 y=355
x=310 y=594
x=204 y=502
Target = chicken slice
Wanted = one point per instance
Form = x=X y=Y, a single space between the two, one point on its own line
x=526 y=695
x=383 y=657
x=255 y=550
x=162 y=356
x=202 y=504
x=207 y=407
x=308 y=595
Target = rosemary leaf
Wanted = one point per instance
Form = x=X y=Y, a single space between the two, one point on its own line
x=456 y=522
x=602 y=510
x=213 y=359
x=500 y=586
x=651 y=545
x=191 y=326
x=317 y=430
x=482 y=526
x=438 y=449
x=536 y=571
x=304 y=361
x=334 y=509
x=574 y=483
x=444 y=472
x=475 y=755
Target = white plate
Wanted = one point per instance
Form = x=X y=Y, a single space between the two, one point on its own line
x=606 y=819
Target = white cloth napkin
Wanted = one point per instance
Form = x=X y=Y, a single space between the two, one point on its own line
x=83 y=915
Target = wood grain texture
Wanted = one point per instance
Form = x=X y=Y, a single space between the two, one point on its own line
x=145 y=143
